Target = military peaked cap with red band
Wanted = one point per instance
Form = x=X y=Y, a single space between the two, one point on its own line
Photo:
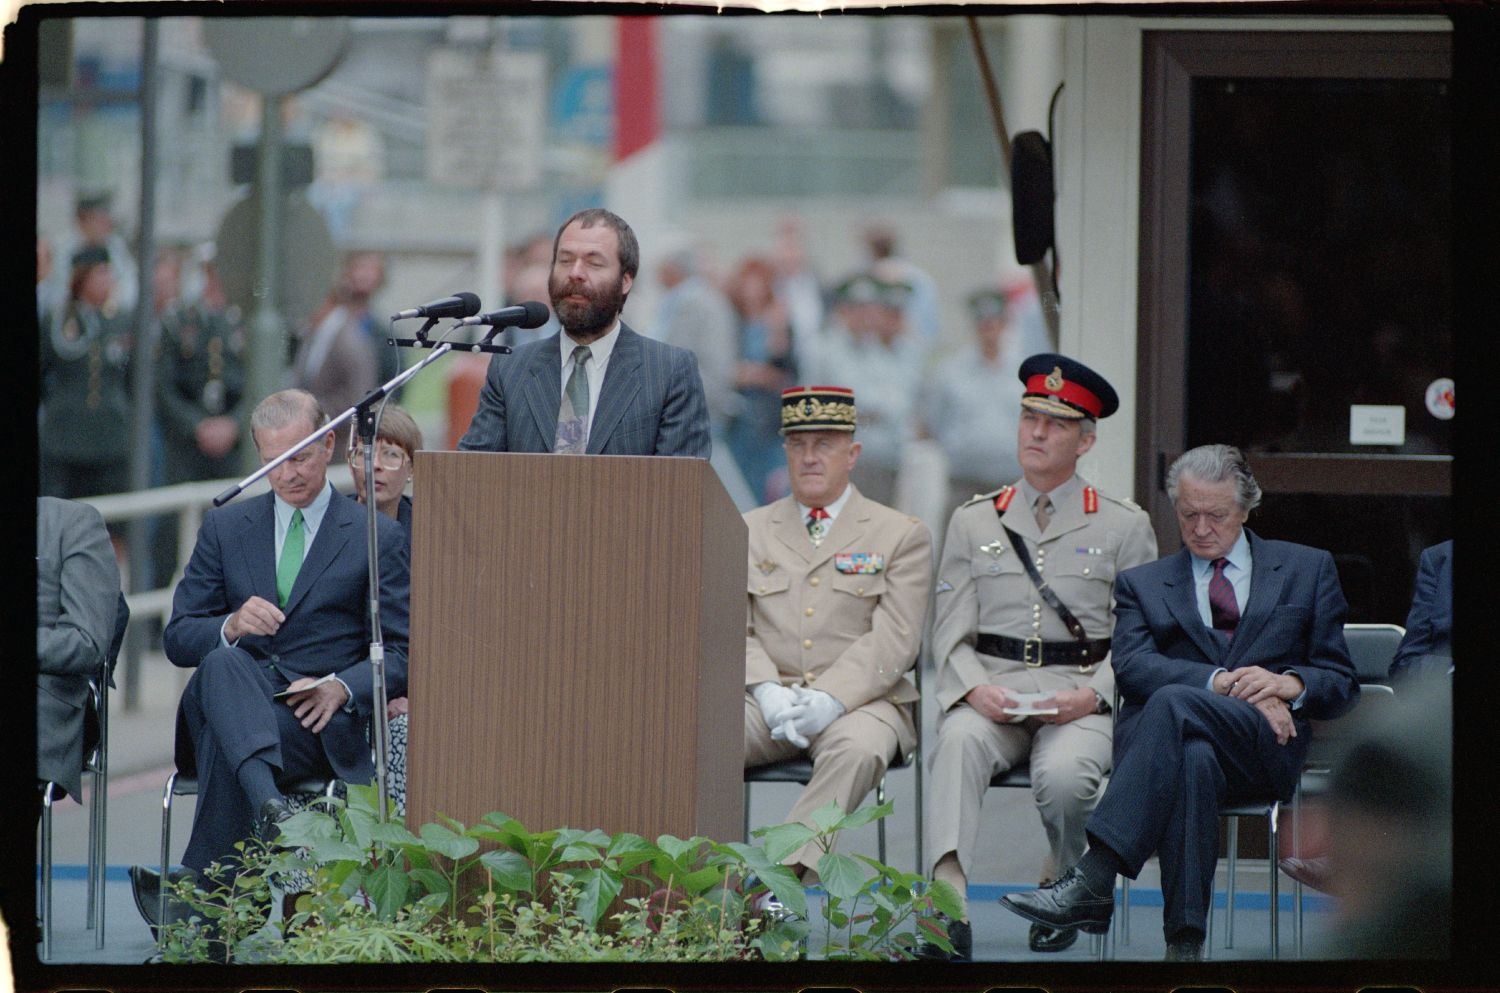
x=1063 y=387
x=817 y=408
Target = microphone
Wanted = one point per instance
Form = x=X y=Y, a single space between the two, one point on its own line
x=530 y=314
x=458 y=305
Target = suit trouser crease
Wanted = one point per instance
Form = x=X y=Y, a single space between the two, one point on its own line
x=1187 y=754
x=1068 y=764
x=848 y=757
x=232 y=717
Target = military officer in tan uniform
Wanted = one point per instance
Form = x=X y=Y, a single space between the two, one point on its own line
x=838 y=589
x=1000 y=631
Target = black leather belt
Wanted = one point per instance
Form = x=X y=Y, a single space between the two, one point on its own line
x=1035 y=652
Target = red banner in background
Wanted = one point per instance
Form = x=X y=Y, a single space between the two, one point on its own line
x=637 y=109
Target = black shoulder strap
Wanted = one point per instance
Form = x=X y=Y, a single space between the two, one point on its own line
x=1074 y=626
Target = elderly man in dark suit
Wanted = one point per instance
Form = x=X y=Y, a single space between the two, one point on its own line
x=274 y=598
x=597 y=387
x=1222 y=654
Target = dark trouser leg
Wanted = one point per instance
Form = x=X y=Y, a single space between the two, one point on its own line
x=229 y=708
x=1190 y=847
x=1149 y=777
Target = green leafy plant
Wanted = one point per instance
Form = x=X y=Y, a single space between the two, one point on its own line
x=372 y=891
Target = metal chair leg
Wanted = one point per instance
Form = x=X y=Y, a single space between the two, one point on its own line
x=1296 y=883
x=880 y=824
x=1234 y=857
x=747 y=813
x=47 y=800
x=99 y=822
x=1274 y=874
x=1124 y=910
x=166 y=854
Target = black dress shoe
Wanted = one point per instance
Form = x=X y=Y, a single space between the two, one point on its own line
x=1065 y=903
x=1184 y=951
x=145 y=886
x=1051 y=939
x=960 y=936
x=268 y=822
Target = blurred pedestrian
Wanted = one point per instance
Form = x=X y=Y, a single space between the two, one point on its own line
x=868 y=347
x=200 y=381
x=766 y=366
x=94 y=227
x=84 y=434
x=337 y=360
x=971 y=402
x=797 y=282
x=922 y=314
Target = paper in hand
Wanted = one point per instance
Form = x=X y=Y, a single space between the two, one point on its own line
x=1026 y=705
x=283 y=694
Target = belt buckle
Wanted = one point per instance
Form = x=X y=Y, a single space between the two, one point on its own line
x=1026 y=655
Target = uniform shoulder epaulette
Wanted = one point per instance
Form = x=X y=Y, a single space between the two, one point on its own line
x=991 y=495
x=1123 y=501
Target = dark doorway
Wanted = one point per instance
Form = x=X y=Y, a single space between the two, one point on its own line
x=1296 y=196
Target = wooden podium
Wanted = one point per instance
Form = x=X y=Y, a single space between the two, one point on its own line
x=577 y=644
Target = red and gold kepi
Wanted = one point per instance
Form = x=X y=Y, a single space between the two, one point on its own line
x=817 y=408
x=1064 y=387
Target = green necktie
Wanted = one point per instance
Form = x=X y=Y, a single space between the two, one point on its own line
x=573 y=413
x=291 y=558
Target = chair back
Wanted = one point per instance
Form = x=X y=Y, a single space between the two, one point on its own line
x=1372 y=647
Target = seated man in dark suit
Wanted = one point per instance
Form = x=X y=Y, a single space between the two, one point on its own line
x=275 y=596
x=77 y=592
x=1427 y=647
x=596 y=387
x=1223 y=652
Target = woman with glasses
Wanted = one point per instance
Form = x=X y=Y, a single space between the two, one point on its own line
x=396 y=443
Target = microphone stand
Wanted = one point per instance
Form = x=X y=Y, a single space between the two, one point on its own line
x=367 y=416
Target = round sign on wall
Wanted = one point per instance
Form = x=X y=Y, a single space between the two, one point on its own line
x=276 y=55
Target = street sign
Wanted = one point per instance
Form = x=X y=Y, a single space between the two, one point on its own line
x=485 y=115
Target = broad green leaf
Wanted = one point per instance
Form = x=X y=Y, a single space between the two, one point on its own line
x=631 y=850
x=336 y=851
x=946 y=899
x=826 y=817
x=699 y=880
x=387 y=888
x=783 y=882
x=675 y=847
x=509 y=870
x=865 y=815
x=598 y=890
x=841 y=876
x=781 y=840
x=447 y=842
x=430 y=880
x=393 y=833
x=580 y=852
x=307 y=827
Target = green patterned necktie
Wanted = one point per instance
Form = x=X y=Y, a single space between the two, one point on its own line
x=573 y=415
x=291 y=558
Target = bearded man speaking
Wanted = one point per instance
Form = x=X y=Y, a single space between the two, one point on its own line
x=597 y=387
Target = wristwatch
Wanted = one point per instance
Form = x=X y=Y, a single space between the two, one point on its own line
x=1101 y=705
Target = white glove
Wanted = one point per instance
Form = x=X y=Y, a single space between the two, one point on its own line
x=774 y=700
x=787 y=731
x=813 y=711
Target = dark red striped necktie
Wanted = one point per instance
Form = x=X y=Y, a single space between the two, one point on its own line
x=1222 y=606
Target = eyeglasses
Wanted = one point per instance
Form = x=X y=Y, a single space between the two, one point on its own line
x=386 y=456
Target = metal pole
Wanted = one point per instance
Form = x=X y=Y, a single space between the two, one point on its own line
x=143 y=407
x=1041 y=271
x=267 y=353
